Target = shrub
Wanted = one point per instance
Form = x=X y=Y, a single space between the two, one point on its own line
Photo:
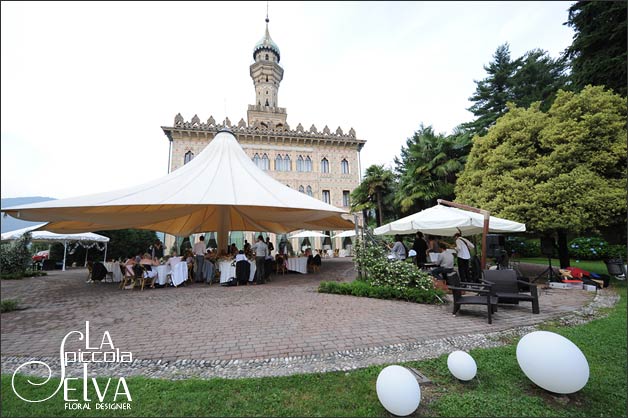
x=590 y=248
x=360 y=288
x=15 y=257
x=8 y=305
x=616 y=251
x=523 y=247
x=21 y=275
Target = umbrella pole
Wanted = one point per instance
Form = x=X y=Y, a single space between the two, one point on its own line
x=86 y=252
x=65 y=250
x=105 y=258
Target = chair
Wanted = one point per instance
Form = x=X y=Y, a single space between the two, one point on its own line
x=128 y=278
x=280 y=264
x=316 y=263
x=243 y=271
x=484 y=295
x=147 y=275
x=90 y=270
x=616 y=268
x=509 y=289
x=208 y=271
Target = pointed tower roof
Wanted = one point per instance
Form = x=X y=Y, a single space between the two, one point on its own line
x=267 y=43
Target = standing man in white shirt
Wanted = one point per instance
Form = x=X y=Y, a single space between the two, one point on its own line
x=463 y=250
x=261 y=251
x=199 y=258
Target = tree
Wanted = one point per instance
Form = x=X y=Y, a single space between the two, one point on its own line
x=125 y=243
x=493 y=92
x=429 y=166
x=533 y=77
x=538 y=77
x=376 y=191
x=558 y=171
x=598 y=50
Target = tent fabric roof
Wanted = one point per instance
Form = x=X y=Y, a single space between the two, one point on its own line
x=308 y=234
x=221 y=189
x=51 y=236
x=446 y=221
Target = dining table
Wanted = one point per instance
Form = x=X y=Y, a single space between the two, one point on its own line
x=298 y=264
x=228 y=270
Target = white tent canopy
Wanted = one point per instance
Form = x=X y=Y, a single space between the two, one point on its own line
x=220 y=190
x=47 y=236
x=446 y=221
x=308 y=234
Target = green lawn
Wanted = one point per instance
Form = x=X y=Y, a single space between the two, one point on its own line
x=596 y=266
x=499 y=389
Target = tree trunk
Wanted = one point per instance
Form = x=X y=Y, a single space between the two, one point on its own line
x=563 y=251
x=380 y=213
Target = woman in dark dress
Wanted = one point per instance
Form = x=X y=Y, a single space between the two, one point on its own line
x=420 y=246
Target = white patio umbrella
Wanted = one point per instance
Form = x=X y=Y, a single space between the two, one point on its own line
x=446 y=221
x=308 y=234
x=345 y=234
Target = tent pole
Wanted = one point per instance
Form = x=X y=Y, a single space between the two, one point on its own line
x=105 y=258
x=65 y=250
x=486 y=214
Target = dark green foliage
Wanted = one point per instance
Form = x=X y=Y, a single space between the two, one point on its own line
x=534 y=77
x=15 y=257
x=125 y=243
x=595 y=248
x=376 y=193
x=360 y=288
x=21 y=275
x=9 y=305
x=429 y=166
x=523 y=247
x=598 y=50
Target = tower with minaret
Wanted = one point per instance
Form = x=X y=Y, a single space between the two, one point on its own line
x=267 y=75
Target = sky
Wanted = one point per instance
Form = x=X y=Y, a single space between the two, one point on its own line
x=86 y=86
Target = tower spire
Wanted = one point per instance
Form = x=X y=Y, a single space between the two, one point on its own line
x=267 y=14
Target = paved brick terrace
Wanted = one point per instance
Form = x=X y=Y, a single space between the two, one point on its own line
x=286 y=317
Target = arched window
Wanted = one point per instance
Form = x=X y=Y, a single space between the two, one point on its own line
x=188 y=157
x=279 y=163
x=266 y=57
x=324 y=165
x=300 y=163
x=265 y=163
x=267 y=79
x=256 y=159
x=287 y=164
x=326 y=196
x=301 y=189
x=309 y=191
x=344 y=166
x=308 y=164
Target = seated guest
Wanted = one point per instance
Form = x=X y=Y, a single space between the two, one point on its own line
x=147 y=261
x=445 y=262
x=173 y=260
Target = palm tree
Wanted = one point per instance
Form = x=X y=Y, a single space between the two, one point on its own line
x=378 y=184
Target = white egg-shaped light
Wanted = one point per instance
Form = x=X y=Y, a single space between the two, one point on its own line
x=552 y=362
x=462 y=365
x=398 y=390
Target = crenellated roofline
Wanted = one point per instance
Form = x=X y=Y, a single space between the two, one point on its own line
x=281 y=133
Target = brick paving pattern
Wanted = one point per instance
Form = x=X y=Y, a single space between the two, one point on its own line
x=284 y=318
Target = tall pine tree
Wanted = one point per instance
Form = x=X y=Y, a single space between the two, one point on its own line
x=598 y=51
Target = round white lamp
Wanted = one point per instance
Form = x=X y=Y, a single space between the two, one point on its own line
x=461 y=365
x=398 y=390
x=552 y=362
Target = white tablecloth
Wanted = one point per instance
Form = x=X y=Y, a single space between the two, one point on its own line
x=115 y=269
x=228 y=271
x=298 y=264
x=162 y=273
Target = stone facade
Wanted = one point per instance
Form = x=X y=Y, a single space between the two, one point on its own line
x=324 y=164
